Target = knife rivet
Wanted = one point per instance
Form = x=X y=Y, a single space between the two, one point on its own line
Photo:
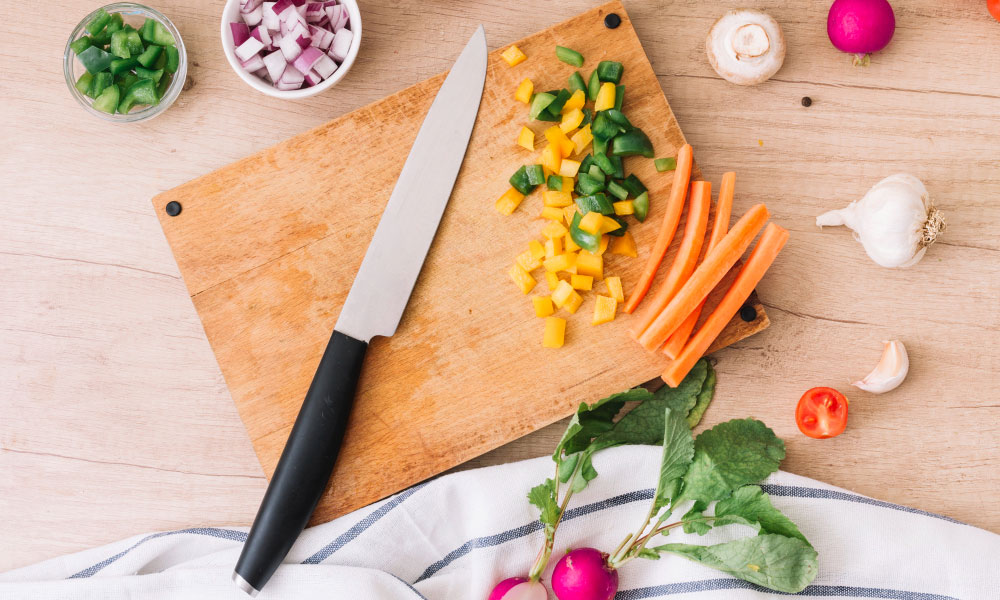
x=612 y=21
x=173 y=208
x=748 y=313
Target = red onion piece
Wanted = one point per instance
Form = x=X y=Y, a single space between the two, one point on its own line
x=240 y=33
x=270 y=20
x=341 y=21
x=292 y=75
x=262 y=73
x=248 y=49
x=290 y=48
x=275 y=64
x=254 y=17
x=307 y=59
x=281 y=8
x=262 y=34
x=313 y=78
x=325 y=66
x=249 y=5
x=314 y=12
x=254 y=63
x=341 y=45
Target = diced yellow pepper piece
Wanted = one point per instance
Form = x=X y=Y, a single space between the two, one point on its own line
x=559 y=140
x=608 y=225
x=509 y=201
x=536 y=249
x=513 y=56
x=526 y=139
x=572 y=268
x=568 y=183
x=625 y=207
x=571 y=120
x=551 y=158
x=581 y=139
x=522 y=278
x=605 y=240
x=553 y=229
x=562 y=293
x=560 y=262
x=569 y=168
x=543 y=306
x=624 y=245
x=552 y=213
x=573 y=302
x=582 y=282
x=575 y=102
x=528 y=262
x=614 y=288
x=555 y=332
x=605 y=96
x=568 y=213
x=571 y=246
x=604 y=310
x=591 y=222
x=551 y=279
x=523 y=93
x=557 y=198
x=553 y=247
x=590 y=264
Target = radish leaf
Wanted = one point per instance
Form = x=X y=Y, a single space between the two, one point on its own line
x=678 y=449
x=751 y=506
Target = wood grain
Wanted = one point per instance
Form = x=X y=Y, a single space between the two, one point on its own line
x=269 y=246
x=115 y=419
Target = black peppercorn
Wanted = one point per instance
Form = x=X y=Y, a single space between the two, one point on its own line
x=173 y=208
x=748 y=313
x=807 y=101
x=612 y=21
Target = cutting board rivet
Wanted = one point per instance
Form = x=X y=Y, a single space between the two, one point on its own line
x=612 y=21
x=173 y=208
x=748 y=313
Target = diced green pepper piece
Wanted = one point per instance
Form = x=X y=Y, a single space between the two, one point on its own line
x=587 y=185
x=161 y=60
x=588 y=117
x=593 y=86
x=108 y=100
x=595 y=171
x=576 y=82
x=94 y=59
x=600 y=145
x=173 y=59
x=125 y=80
x=536 y=175
x=619 y=167
x=602 y=161
x=618 y=118
x=99 y=22
x=640 y=206
x=617 y=191
x=161 y=88
x=119 y=44
x=134 y=43
x=631 y=143
x=101 y=80
x=154 y=32
x=141 y=92
x=603 y=127
x=117 y=24
x=591 y=242
x=539 y=103
x=83 y=83
x=101 y=39
x=569 y=56
x=621 y=230
x=80 y=44
x=149 y=56
x=619 y=96
x=554 y=182
x=121 y=65
x=633 y=185
x=144 y=73
x=519 y=180
x=553 y=112
x=665 y=164
x=585 y=163
x=595 y=203
x=610 y=70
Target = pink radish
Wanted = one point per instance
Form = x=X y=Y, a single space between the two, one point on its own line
x=860 y=27
x=518 y=588
x=583 y=574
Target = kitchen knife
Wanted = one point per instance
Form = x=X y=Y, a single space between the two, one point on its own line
x=373 y=307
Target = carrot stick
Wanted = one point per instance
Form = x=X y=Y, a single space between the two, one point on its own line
x=763 y=255
x=686 y=259
x=708 y=274
x=723 y=209
x=675 y=205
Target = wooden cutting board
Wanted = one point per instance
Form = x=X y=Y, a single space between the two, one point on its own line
x=269 y=246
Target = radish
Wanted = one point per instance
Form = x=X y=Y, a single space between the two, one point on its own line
x=584 y=574
x=518 y=588
x=860 y=27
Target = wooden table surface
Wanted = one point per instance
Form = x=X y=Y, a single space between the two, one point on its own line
x=115 y=420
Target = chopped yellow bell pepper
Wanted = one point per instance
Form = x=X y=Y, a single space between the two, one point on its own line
x=558 y=139
x=568 y=213
x=526 y=139
x=553 y=247
x=592 y=222
x=551 y=158
x=582 y=282
x=581 y=139
x=522 y=278
x=590 y=264
x=575 y=102
x=543 y=306
x=560 y=262
x=571 y=120
x=536 y=249
x=615 y=288
x=523 y=93
x=509 y=201
x=625 y=207
x=551 y=279
x=569 y=168
x=553 y=229
x=557 y=198
x=604 y=310
x=608 y=225
x=605 y=96
x=552 y=213
x=562 y=293
x=624 y=245
x=528 y=262
x=513 y=56
x=555 y=332
x=571 y=246
x=568 y=182
x=573 y=302
x=605 y=240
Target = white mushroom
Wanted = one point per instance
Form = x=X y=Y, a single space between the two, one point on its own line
x=745 y=46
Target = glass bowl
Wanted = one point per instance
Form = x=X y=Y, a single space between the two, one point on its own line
x=133 y=14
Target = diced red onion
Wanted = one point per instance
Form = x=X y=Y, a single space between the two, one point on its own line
x=325 y=66
x=247 y=6
x=292 y=18
x=301 y=9
x=283 y=28
x=292 y=75
x=262 y=34
x=342 y=18
x=321 y=38
x=254 y=17
x=240 y=33
x=286 y=87
x=307 y=59
x=270 y=19
x=314 y=12
x=341 y=45
x=248 y=49
x=281 y=8
x=290 y=48
x=255 y=63
x=262 y=73
x=276 y=38
x=313 y=78
x=275 y=63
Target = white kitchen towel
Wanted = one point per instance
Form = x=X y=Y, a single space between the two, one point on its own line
x=456 y=536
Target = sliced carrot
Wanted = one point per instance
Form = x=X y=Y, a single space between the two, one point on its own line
x=708 y=275
x=763 y=255
x=686 y=259
x=675 y=205
x=723 y=209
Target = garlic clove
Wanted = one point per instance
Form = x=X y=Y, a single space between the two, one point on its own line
x=745 y=46
x=890 y=371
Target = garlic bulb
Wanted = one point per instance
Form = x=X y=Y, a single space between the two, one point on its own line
x=745 y=46
x=890 y=371
x=895 y=221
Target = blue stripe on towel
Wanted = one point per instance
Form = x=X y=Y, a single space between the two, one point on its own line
x=227 y=534
x=708 y=585
x=797 y=491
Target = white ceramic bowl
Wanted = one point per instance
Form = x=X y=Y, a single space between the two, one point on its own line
x=231 y=13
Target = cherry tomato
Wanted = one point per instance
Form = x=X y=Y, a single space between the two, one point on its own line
x=994 y=7
x=821 y=413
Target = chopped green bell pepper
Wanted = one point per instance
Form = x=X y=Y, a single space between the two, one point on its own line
x=618 y=118
x=173 y=59
x=519 y=180
x=99 y=22
x=631 y=143
x=100 y=81
x=576 y=82
x=610 y=70
x=161 y=88
x=591 y=242
x=621 y=230
x=603 y=127
x=595 y=203
x=108 y=100
x=149 y=56
x=94 y=59
x=539 y=103
x=141 y=92
x=602 y=161
x=125 y=80
x=121 y=65
x=585 y=163
x=588 y=117
x=617 y=191
x=80 y=44
x=633 y=185
x=117 y=23
x=600 y=145
x=619 y=96
x=119 y=44
x=153 y=32
x=640 y=206
x=553 y=112
x=144 y=73
x=665 y=164
x=134 y=43
x=83 y=83
x=569 y=56
x=536 y=175
x=554 y=182
x=596 y=172
x=619 y=167
x=587 y=185
x=593 y=86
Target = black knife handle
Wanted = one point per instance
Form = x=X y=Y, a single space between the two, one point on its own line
x=305 y=464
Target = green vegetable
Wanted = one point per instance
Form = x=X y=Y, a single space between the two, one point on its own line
x=83 y=83
x=95 y=59
x=100 y=20
x=125 y=80
x=553 y=112
x=154 y=32
x=588 y=117
x=633 y=185
x=590 y=242
x=631 y=143
x=569 y=56
x=618 y=118
x=519 y=180
x=142 y=91
x=173 y=59
x=600 y=145
x=678 y=450
x=665 y=164
x=576 y=82
x=119 y=44
x=536 y=175
x=619 y=167
x=609 y=70
x=117 y=23
x=587 y=185
x=539 y=103
x=595 y=203
x=595 y=172
x=79 y=45
x=593 y=86
x=149 y=74
x=586 y=163
x=108 y=100
x=708 y=388
x=617 y=191
x=749 y=505
x=149 y=56
x=603 y=127
x=619 y=96
x=122 y=65
x=621 y=230
x=554 y=182
x=100 y=81
x=602 y=161
x=161 y=88
x=134 y=43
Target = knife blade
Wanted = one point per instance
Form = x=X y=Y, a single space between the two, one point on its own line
x=374 y=306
